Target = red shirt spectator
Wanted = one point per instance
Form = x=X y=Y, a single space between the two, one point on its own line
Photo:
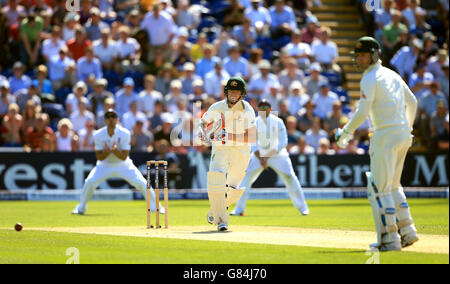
x=34 y=134
x=311 y=31
x=77 y=46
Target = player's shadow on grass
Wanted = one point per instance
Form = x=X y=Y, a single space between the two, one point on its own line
x=340 y=252
x=94 y=215
x=211 y=232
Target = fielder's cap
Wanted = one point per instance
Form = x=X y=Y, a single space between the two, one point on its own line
x=264 y=103
x=4 y=84
x=417 y=43
x=264 y=64
x=316 y=67
x=366 y=44
x=188 y=66
x=128 y=81
x=111 y=113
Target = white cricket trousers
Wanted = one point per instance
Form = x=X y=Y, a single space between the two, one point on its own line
x=104 y=170
x=282 y=165
x=232 y=161
x=388 y=149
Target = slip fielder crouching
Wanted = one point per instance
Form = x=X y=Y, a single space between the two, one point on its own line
x=112 y=149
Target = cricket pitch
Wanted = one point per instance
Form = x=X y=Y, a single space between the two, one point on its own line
x=265 y=235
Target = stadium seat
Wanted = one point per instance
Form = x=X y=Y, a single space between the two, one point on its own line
x=61 y=94
x=7 y=73
x=206 y=22
x=112 y=77
x=137 y=76
x=334 y=78
x=282 y=41
x=342 y=94
x=55 y=112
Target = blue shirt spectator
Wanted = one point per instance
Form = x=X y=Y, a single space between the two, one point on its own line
x=418 y=81
x=245 y=34
x=324 y=100
x=94 y=25
x=46 y=87
x=58 y=65
x=258 y=13
x=88 y=66
x=430 y=99
x=206 y=64
x=282 y=14
x=18 y=83
x=18 y=80
x=125 y=96
x=235 y=64
x=405 y=59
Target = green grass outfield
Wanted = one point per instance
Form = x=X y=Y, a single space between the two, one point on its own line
x=38 y=244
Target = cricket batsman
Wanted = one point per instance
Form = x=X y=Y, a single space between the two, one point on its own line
x=270 y=151
x=229 y=126
x=391 y=106
x=112 y=149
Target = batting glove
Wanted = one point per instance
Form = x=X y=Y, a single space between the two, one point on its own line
x=342 y=137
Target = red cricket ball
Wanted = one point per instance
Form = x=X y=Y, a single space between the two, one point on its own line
x=18 y=227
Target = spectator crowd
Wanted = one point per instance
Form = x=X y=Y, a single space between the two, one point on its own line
x=160 y=64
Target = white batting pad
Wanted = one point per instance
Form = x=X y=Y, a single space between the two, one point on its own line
x=216 y=193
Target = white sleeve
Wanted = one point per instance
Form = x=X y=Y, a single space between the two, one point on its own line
x=367 y=96
x=125 y=143
x=97 y=142
x=411 y=104
x=282 y=136
x=210 y=115
x=250 y=118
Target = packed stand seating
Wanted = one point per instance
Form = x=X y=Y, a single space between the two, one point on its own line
x=162 y=63
x=414 y=38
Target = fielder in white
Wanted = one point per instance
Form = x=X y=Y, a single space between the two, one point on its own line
x=229 y=125
x=270 y=151
x=112 y=149
x=391 y=106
